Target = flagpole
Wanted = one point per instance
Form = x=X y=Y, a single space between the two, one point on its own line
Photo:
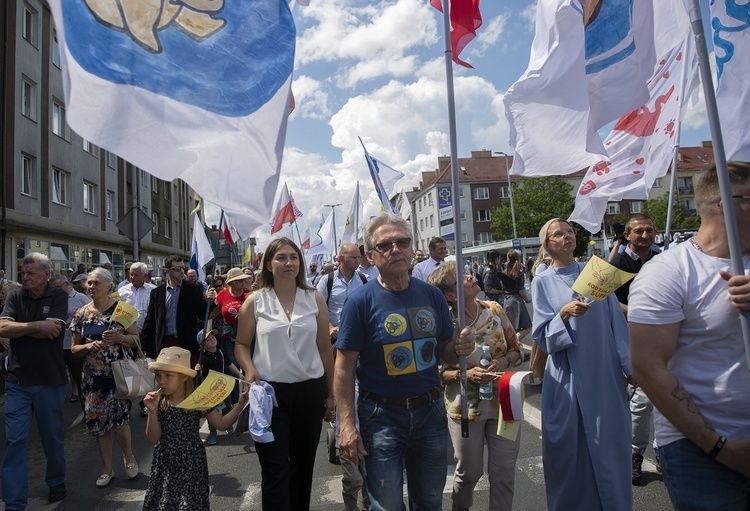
x=720 y=159
x=456 y=212
x=673 y=183
x=298 y=234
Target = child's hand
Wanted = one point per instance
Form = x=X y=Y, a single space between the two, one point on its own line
x=151 y=400
x=244 y=396
x=198 y=367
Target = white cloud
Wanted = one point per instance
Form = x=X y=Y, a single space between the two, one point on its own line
x=489 y=34
x=529 y=16
x=311 y=101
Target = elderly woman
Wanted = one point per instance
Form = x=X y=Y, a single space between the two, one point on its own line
x=585 y=415
x=491 y=327
x=103 y=342
x=293 y=354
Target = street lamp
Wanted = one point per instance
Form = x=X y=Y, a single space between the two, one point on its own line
x=333 y=212
x=510 y=193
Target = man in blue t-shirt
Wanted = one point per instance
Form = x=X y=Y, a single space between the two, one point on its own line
x=391 y=338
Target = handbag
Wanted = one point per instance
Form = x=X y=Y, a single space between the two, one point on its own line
x=132 y=377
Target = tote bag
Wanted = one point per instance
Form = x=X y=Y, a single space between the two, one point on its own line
x=132 y=377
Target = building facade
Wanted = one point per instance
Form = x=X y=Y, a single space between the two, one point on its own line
x=61 y=194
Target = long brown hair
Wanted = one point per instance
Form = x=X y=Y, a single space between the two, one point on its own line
x=266 y=277
x=514 y=264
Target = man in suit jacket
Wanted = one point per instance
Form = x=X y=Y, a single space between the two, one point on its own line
x=175 y=312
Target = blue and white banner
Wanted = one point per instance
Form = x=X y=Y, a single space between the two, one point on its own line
x=201 y=252
x=196 y=90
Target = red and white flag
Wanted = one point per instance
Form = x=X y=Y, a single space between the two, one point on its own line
x=465 y=21
x=306 y=240
x=297 y=212
x=226 y=229
x=641 y=143
x=284 y=211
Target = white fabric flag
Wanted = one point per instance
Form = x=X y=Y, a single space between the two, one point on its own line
x=322 y=242
x=201 y=252
x=200 y=95
x=351 y=227
x=586 y=69
x=731 y=35
x=375 y=167
x=405 y=207
x=641 y=143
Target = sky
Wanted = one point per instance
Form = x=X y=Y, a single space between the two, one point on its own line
x=376 y=70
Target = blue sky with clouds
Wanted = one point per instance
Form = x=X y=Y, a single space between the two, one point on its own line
x=376 y=70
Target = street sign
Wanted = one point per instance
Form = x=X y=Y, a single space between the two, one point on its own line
x=517 y=244
x=125 y=224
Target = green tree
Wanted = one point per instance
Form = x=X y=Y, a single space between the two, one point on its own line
x=535 y=201
x=657 y=210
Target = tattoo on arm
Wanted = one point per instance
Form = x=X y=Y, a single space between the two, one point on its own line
x=681 y=394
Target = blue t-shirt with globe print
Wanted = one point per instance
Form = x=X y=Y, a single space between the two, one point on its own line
x=397 y=335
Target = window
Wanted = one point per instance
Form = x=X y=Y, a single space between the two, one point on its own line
x=636 y=206
x=481 y=192
x=28 y=98
x=464 y=239
x=432 y=220
x=613 y=208
x=167 y=227
x=155 y=218
x=29 y=24
x=58 y=120
x=504 y=192
x=657 y=183
x=485 y=237
x=144 y=178
x=687 y=203
x=429 y=198
x=111 y=159
x=89 y=198
x=463 y=215
x=421 y=224
x=483 y=215
x=59 y=186
x=420 y=205
x=167 y=191
x=154 y=184
x=27 y=175
x=89 y=147
x=110 y=204
x=461 y=192
x=55 y=49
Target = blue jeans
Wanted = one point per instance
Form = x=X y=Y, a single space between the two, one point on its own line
x=46 y=402
x=394 y=436
x=696 y=482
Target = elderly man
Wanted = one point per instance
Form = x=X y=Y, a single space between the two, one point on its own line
x=80 y=284
x=438 y=251
x=137 y=292
x=689 y=356
x=34 y=321
x=393 y=333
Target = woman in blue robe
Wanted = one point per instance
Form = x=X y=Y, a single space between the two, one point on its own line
x=585 y=414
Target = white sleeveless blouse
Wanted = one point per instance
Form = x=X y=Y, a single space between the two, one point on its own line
x=286 y=351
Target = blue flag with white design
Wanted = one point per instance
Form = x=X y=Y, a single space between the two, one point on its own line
x=201 y=252
x=196 y=90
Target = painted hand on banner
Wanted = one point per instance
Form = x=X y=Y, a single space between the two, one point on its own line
x=142 y=19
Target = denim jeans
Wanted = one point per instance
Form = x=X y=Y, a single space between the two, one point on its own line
x=395 y=436
x=696 y=482
x=46 y=402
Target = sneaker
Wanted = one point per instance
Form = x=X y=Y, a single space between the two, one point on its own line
x=230 y=430
x=57 y=493
x=637 y=463
x=658 y=464
x=212 y=438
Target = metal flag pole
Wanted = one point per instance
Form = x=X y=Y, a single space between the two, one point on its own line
x=672 y=184
x=720 y=159
x=456 y=211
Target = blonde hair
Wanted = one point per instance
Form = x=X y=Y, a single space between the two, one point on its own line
x=188 y=386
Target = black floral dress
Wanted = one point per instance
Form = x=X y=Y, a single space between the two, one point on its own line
x=179 y=471
x=101 y=408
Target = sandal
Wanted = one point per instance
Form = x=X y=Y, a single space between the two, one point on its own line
x=73 y=398
x=131 y=469
x=105 y=479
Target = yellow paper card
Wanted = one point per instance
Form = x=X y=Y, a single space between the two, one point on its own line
x=124 y=314
x=214 y=389
x=599 y=279
x=509 y=429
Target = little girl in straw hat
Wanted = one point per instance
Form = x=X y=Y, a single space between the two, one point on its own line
x=179 y=472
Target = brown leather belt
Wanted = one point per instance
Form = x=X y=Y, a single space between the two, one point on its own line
x=409 y=402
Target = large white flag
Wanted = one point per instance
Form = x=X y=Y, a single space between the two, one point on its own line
x=587 y=68
x=201 y=252
x=641 y=143
x=351 y=227
x=322 y=242
x=196 y=93
x=730 y=21
x=405 y=207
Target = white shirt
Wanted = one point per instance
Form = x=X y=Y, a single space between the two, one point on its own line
x=286 y=351
x=683 y=285
x=422 y=270
x=138 y=297
x=340 y=291
x=372 y=272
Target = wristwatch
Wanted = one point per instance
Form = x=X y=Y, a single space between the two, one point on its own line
x=510 y=361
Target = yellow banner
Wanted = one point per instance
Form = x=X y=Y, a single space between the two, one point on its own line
x=599 y=279
x=214 y=389
x=124 y=314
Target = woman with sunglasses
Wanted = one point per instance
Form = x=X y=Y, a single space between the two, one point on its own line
x=491 y=327
x=585 y=414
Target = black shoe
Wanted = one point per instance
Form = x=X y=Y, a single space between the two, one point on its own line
x=144 y=411
x=57 y=493
x=637 y=463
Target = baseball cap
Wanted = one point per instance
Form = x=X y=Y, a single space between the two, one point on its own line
x=80 y=277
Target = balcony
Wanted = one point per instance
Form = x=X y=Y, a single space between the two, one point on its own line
x=686 y=190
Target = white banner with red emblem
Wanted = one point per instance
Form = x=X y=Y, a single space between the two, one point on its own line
x=510 y=394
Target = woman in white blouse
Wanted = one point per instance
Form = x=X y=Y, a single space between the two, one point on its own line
x=292 y=352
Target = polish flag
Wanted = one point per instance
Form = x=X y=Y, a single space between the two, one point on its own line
x=226 y=228
x=284 y=211
x=306 y=241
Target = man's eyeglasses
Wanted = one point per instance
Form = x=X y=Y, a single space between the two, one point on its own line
x=387 y=246
x=178 y=268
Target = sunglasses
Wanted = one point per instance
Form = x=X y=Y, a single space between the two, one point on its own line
x=387 y=246
x=178 y=268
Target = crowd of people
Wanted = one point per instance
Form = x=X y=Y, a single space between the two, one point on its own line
x=371 y=343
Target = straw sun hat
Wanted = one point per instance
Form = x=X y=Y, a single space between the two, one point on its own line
x=173 y=359
x=236 y=274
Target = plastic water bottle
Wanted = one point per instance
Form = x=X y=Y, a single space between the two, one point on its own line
x=486 y=389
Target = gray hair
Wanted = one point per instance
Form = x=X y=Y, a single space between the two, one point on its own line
x=37 y=258
x=139 y=266
x=379 y=221
x=59 y=278
x=105 y=275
